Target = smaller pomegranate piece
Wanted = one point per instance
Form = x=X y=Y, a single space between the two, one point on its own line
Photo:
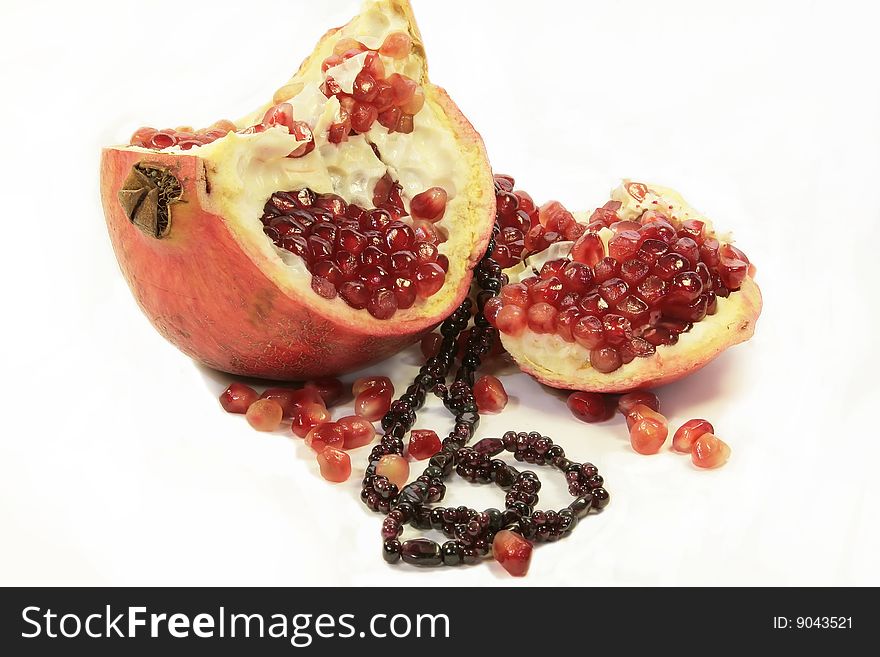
x=423 y=444
x=264 y=415
x=395 y=468
x=513 y=552
x=709 y=451
x=335 y=465
x=329 y=434
x=307 y=417
x=490 y=395
x=590 y=406
x=357 y=431
x=687 y=434
x=237 y=398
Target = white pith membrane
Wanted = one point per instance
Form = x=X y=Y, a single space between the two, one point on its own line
x=244 y=170
x=563 y=364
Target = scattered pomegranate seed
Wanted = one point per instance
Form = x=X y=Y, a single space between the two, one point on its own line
x=237 y=398
x=590 y=406
x=264 y=415
x=370 y=383
x=395 y=468
x=288 y=398
x=638 y=397
x=513 y=552
x=357 y=431
x=330 y=390
x=329 y=434
x=709 y=451
x=307 y=416
x=335 y=465
x=687 y=434
x=423 y=444
x=430 y=204
x=490 y=395
x=640 y=412
x=648 y=435
x=372 y=404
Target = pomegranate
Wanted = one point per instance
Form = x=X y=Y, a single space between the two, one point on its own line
x=326 y=230
x=590 y=406
x=646 y=294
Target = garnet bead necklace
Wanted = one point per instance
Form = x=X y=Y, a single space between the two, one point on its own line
x=470 y=532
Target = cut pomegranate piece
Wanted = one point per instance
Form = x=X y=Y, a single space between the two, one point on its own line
x=687 y=434
x=306 y=417
x=709 y=451
x=395 y=468
x=590 y=406
x=490 y=395
x=329 y=434
x=335 y=465
x=264 y=415
x=357 y=431
x=318 y=313
x=423 y=444
x=632 y=317
x=512 y=552
x=237 y=398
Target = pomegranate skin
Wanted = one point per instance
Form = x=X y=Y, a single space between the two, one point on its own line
x=213 y=300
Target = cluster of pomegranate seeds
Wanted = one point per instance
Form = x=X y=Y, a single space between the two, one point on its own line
x=687 y=434
x=490 y=395
x=423 y=444
x=658 y=278
x=524 y=228
x=392 y=100
x=369 y=258
x=280 y=114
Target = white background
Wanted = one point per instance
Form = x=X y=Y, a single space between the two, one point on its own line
x=117 y=465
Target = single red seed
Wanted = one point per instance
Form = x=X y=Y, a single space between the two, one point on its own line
x=624 y=245
x=335 y=465
x=590 y=406
x=648 y=435
x=329 y=434
x=431 y=344
x=605 y=269
x=589 y=249
x=709 y=451
x=371 y=383
x=638 y=398
x=395 y=468
x=641 y=412
x=516 y=294
x=423 y=444
x=397 y=45
x=237 y=398
x=429 y=277
x=328 y=388
x=605 y=359
x=373 y=404
x=512 y=552
x=541 y=318
x=264 y=415
x=382 y=304
x=511 y=320
x=490 y=395
x=565 y=321
x=687 y=434
x=307 y=417
x=357 y=431
x=589 y=332
x=547 y=290
x=430 y=204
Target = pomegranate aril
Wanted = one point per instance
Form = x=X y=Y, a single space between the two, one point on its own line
x=390 y=118
x=613 y=290
x=355 y=294
x=397 y=45
x=693 y=228
x=709 y=451
x=490 y=395
x=430 y=344
x=589 y=332
x=617 y=329
x=423 y=444
x=643 y=411
x=709 y=252
x=364 y=89
x=732 y=269
x=541 y=318
x=372 y=383
x=633 y=309
x=363 y=116
x=516 y=294
x=652 y=290
x=590 y=406
x=606 y=269
x=688 y=248
x=635 y=347
x=634 y=271
x=658 y=336
x=671 y=265
x=404 y=293
x=685 y=287
x=395 y=468
x=605 y=359
x=398 y=236
x=329 y=434
x=512 y=552
x=430 y=204
x=382 y=304
x=511 y=320
x=428 y=277
x=565 y=321
x=687 y=434
x=548 y=291
x=652 y=250
x=624 y=245
x=307 y=417
x=648 y=435
x=693 y=312
x=577 y=277
x=373 y=404
x=264 y=415
x=638 y=398
x=356 y=431
x=414 y=105
x=492 y=309
x=335 y=465
x=593 y=304
x=329 y=389
x=237 y=398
